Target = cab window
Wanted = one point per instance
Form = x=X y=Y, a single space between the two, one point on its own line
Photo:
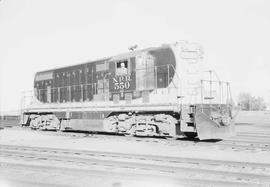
x=122 y=67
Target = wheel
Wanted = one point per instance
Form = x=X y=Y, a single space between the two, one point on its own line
x=190 y=134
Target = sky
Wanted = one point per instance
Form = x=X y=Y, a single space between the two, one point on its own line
x=37 y=35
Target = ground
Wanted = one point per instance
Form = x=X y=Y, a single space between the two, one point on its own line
x=38 y=158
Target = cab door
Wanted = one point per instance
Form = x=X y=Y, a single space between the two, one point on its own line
x=145 y=71
x=49 y=94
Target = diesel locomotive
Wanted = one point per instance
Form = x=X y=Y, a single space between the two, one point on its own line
x=157 y=91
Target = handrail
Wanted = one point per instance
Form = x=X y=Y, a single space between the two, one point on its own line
x=220 y=92
x=214 y=81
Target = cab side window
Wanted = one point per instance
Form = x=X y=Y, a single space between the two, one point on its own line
x=122 y=67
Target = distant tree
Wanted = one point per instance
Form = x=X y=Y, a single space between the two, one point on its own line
x=258 y=104
x=244 y=100
x=248 y=102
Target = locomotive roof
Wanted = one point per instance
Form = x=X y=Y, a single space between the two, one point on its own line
x=112 y=58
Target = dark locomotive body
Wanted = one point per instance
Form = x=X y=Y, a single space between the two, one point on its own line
x=155 y=91
x=90 y=80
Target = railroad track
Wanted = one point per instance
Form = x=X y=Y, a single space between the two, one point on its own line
x=248 y=142
x=196 y=171
x=260 y=134
x=236 y=143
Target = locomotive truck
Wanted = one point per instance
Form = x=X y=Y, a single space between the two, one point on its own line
x=157 y=91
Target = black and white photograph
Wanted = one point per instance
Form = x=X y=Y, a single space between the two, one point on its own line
x=134 y=93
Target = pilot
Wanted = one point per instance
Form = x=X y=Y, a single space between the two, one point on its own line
x=122 y=70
